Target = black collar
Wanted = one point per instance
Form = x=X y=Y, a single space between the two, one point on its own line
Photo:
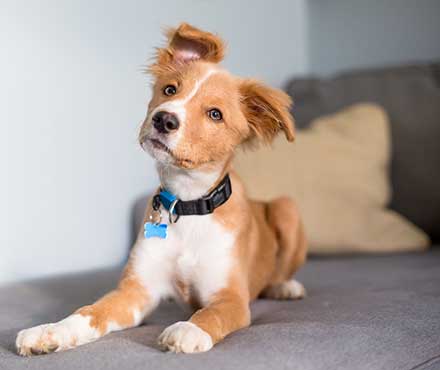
x=202 y=206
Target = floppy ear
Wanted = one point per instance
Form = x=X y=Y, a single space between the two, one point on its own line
x=186 y=44
x=267 y=111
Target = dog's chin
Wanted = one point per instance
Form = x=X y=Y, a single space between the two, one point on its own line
x=164 y=155
x=158 y=151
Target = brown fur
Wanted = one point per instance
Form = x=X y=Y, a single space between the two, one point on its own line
x=118 y=306
x=270 y=248
x=227 y=311
x=270 y=244
x=187 y=38
x=266 y=110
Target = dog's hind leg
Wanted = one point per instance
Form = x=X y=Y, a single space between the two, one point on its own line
x=122 y=308
x=283 y=217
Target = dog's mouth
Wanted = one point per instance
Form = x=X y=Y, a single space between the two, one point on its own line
x=157 y=144
x=178 y=160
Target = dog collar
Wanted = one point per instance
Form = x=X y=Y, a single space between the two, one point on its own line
x=201 y=206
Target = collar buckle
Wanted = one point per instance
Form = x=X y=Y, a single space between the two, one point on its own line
x=173 y=219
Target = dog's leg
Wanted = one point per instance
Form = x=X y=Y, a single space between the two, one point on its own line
x=227 y=311
x=283 y=217
x=289 y=289
x=122 y=308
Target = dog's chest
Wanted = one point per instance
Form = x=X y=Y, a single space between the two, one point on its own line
x=194 y=259
x=203 y=262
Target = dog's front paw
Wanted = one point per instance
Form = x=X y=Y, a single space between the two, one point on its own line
x=37 y=340
x=186 y=337
x=68 y=333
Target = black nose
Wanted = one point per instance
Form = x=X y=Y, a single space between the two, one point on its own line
x=165 y=122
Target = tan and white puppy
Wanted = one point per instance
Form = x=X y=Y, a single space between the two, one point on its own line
x=216 y=263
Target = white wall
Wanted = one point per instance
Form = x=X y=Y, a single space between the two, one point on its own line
x=345 y=34
x=72 y=97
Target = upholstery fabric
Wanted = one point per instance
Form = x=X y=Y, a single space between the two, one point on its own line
x=337 y=172
x=411 y=97
x=380 y=312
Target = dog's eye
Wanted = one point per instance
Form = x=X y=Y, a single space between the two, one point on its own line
x=169 y=90
x=215 y=114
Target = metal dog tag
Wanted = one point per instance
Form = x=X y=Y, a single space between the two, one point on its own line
x=154 y=228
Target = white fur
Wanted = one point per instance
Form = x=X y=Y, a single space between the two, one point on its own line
x=187 y=184
x=138 y=316
x=178 y=108
x=113 y=326
x=71 y=332
x=198 y=84
x=196 y=252
x=186 y=337
x=290 y=289
x=68 y=333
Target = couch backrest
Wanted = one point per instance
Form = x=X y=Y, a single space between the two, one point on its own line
x=411 y=96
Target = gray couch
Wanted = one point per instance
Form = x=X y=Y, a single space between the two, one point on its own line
x=411 y=97
x=362 y=312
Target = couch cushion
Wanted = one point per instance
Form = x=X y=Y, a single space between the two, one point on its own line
x=360 y=313
x=337 y=173
x=411 y=96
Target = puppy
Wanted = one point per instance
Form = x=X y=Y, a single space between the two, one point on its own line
x=204 y=242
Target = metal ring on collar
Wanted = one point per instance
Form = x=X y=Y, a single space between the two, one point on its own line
x=170 y=212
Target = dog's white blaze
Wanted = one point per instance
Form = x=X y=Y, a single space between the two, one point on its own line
x=199 y=83
x=68 y=333
x=178 y=108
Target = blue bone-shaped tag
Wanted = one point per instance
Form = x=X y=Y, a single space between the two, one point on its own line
x=152 y=230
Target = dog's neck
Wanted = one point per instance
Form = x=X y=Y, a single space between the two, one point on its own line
x=189 y=184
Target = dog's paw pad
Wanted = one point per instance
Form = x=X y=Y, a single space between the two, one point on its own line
x=290 y=289
x=186 y=337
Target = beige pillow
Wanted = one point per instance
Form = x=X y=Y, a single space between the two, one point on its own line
x=337 y=171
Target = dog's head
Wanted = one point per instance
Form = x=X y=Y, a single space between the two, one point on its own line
x=199 y=112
